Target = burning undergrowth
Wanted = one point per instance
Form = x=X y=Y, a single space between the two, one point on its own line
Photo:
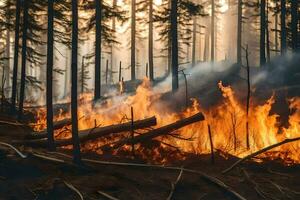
x=227 y=121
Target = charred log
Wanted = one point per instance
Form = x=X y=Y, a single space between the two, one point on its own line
x=95 y=133
x=165 y=130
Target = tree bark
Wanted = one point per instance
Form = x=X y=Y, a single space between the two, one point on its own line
x=294 y=24
x=49 y=91
x=212 y=33
x=94 y=133
x=98 y=38
x=151 y=67
x=283 y=26
x=74 y=71
x=239 y=32
x=165 y=130
x=23 y=68
x=133 y=7
x=194 y=41
x=16 y=57
x=174 y=43
x=262 y=32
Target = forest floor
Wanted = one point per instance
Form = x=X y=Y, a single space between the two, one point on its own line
x=37 y=178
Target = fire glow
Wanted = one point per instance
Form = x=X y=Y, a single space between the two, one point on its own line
x=227 y=121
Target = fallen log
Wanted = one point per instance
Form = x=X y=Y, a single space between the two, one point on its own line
x=56 y=125
x=156 y=132
x=260 y=152
x=94 y=133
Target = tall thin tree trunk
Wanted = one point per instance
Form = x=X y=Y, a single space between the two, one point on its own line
x=7 y=71
x=239 y=32
x=16 y=57
x=74 y=70
x=212 y=34
x=82 y=74
x=112 y=60
x=133 y=7
x=98 y=38
x=276 y=30
x=268 y=34
x=194 y=41
x=150 y=54
x=262 y=32
x=24 y=49
x=169 y=45
x=174 y=39
x=294 y=24
x=49 y=91
x=283 y=26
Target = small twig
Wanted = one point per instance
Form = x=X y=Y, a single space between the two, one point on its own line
x=14 y=148
x=174 y=185
x=107 y=195
x=69 y=185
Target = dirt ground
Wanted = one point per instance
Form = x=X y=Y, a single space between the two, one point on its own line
x=36 y=178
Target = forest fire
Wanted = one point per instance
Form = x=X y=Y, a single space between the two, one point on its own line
x=227 y=120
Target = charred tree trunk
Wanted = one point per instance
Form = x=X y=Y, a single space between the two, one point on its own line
x=239 y=32
x=165 y=130
x=74 y=69
x=212 y=33
x=49 y=92
x=248 y=98
x=94 y=133
x=262 y=32
x=151 y=67
x=169 y=53
x=276 y=29
x=16 y=57
x=294 y=24
x=133 y=26
x=268 y=34
x=283 y=26
x=24 y=49
x=194 y=41
x=174 y=44
x=97 y=95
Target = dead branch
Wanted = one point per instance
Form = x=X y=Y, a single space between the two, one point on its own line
x=157 y=132
x=14 y=148
x=107 y=195
x=209 y=178
x=56 y=125
x=254 y=184
x=94 y=133
x=260 y=152
x=174 y=185
x=69 y=185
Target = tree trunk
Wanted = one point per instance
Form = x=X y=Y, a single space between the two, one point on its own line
x=276 y=30
x=194 y=41
x=49 y=92
x=268 y=34
x=239 y=32
x=294 y=24
x=74 y=69
x=7 y=71
x=94 y=133
x=98 y=38
x=23 y=68
x=262 y=32
x=133 y=7
x=16 y=57
x=283 y=26
x=174 y=43
x=151 y=67
x=212 y=33
x=165 y=130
